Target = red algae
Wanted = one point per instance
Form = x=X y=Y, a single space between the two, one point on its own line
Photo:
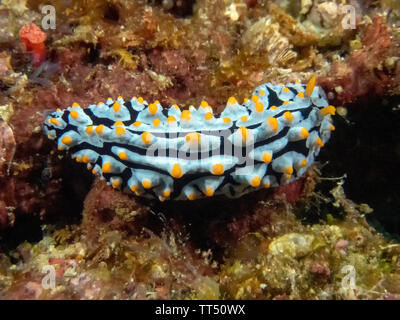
x=34 y=39
x=365 y=71
x=292 y=191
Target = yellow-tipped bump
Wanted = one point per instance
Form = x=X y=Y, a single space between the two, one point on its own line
x=218 y=169
x=74 y=114
x=267 y=157
x=123 y=156
x=319 y=142
x=54 y=121
x=273 y=123
x=106 y=167
x=153 y=108
x=116 y=106
x=204 y=104
x=176 y=171
x=146 y=184
x=146 y=137
x=232 y=100
x=244 y=133
x=167 y=193
x=115 y=183
x=89 y=129
x=255 y=182
x=289 y=170
x=171 y=119
x=328 y=110
x=99 y=129
x=208 y=116
x=119 y=131
x=193 y=138
x=288 y=116
x=310 y=86
x=136 y=123
x=66 y=140
x=85 y=158
x=186 y=115
x=259 y=107
x=304 y=133
x=209 y=191
x=156 y=122
x=191 y=196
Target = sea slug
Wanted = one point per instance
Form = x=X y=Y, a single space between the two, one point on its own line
x=165 y=153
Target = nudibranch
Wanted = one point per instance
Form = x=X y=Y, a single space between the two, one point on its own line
x=173 y=154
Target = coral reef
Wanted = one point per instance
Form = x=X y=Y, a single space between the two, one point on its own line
x=123 y=250
x=298 y=241
x=370 y=69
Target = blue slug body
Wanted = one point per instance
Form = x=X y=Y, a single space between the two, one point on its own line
x=145 y=149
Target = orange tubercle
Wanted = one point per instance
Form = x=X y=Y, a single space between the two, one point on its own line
x=146 y=184
x=176 y=171
x=255 y=182
x=218 y=169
